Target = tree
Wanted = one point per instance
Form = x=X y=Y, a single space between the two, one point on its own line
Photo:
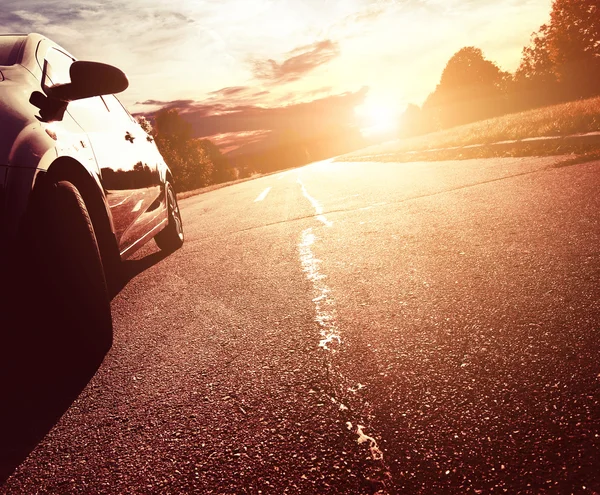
x=536 y=63
x=574 y=45
x=169 y=125
x=194 y=162
x=146 y=125
x=471 y=88
x=468 y=68
x=411 y=121
x=535 y=82
x=563 y=60
x=222 y=169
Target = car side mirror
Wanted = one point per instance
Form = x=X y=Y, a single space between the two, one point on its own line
x=88 y=79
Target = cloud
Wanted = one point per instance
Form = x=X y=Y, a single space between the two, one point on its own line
x=370 y=12
x=115 y=12
x=28 y=17
x=300 y=61
x=166 y=105
x=232 y=141
x=116 y=29
x=221 y=101
x=295 y=97
x=230 y=91
x=220 y=116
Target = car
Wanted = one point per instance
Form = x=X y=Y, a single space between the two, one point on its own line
x=82 y=185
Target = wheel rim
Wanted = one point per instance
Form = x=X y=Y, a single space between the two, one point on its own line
x=175 y=213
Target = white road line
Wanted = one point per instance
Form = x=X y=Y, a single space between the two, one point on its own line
x=262 y=195
x=316 y=205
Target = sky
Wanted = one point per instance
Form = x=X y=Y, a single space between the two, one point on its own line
x=219 y=57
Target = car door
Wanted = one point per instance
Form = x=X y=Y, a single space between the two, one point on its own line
x=134 y=191
x=89 y=121
x=127 y=171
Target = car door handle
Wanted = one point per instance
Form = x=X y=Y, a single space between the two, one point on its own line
x=129 y=137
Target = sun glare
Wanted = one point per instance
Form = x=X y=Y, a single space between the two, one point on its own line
x=377 y=117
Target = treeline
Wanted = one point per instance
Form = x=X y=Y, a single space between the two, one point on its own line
x=562 y=63
x=195 y=163
x=286 y=149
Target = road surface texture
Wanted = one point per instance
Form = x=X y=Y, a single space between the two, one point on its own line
x=350 y=328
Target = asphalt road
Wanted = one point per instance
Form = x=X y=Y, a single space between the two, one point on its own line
x=347 y=328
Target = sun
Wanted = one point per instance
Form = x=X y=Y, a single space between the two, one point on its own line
x=376 y=117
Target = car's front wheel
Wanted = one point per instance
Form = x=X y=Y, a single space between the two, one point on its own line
x=171 y=237
x=73 y=267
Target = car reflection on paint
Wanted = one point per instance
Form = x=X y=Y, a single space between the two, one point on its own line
x=82 y=186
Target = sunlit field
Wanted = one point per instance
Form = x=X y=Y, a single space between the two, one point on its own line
x=577 y=117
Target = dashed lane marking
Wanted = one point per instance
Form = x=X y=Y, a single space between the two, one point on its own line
x=262 y=195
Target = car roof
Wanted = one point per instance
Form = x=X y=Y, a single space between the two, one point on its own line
x=33 y=51
x=11 y=48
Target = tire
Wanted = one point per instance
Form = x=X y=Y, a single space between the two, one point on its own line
x=171 y=237
x=73 y=268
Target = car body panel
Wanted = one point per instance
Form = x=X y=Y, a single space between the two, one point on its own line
x=97 y=134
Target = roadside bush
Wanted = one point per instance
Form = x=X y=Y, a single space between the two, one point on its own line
x=195 y=163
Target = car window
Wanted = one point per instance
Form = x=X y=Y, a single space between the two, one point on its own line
x=95 y=105
x=9 y=49
x=58 y=65
x=116 y=109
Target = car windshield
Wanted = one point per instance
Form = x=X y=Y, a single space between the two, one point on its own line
x=9 y=49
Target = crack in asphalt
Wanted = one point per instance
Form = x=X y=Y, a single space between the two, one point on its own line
x=325 y=317
x=336 y=383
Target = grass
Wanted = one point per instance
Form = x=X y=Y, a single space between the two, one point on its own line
x=488 y=138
